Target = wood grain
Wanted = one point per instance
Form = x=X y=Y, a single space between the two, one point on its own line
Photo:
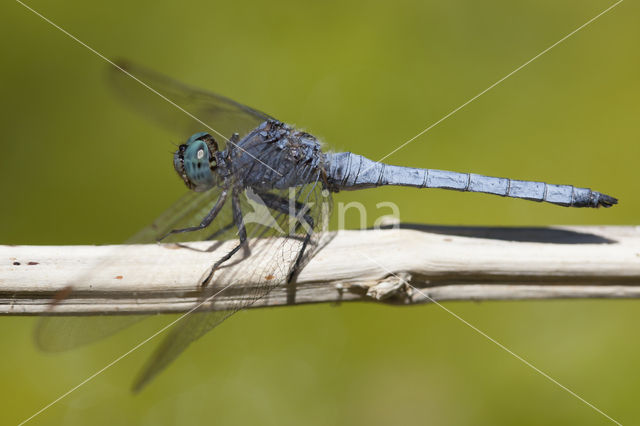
x=413 y=264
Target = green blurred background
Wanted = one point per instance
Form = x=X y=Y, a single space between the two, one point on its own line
x=78 y=167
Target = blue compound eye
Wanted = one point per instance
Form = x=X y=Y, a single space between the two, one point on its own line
x=195 y=137
x=195 y=162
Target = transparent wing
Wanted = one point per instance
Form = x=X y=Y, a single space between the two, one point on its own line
x=221 y=116
x=61 y=333
x=276 y=240
x=56 y=333
x=276 y=236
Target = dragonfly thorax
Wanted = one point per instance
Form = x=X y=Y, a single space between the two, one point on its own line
x=196 y=162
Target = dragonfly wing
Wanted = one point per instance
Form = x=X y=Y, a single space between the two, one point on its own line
x=61 y=333
x=275 y=241
x=55 y=333
x=190 y=109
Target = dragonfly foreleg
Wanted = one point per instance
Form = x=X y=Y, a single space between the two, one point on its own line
x=207 y=219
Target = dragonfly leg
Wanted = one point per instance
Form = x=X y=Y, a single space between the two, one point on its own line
x=207 y=219
x=282 y=205
x=242 y=235
x=305 y=242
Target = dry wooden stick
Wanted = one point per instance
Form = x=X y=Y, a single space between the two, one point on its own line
x=415 y=264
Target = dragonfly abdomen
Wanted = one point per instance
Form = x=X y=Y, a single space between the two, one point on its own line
x=349 y=171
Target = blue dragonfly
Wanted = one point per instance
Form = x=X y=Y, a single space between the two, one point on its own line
x=268 y=185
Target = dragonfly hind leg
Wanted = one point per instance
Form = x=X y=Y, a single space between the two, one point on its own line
x=282 y=205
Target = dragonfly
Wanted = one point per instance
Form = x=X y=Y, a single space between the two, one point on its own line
x=267 y=185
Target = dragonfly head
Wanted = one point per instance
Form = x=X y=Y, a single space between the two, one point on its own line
x=196 y=162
